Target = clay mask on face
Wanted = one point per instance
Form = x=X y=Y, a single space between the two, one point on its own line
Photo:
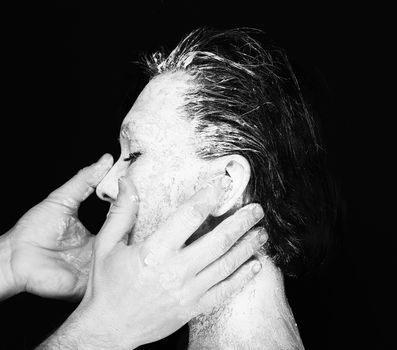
x=158 y=151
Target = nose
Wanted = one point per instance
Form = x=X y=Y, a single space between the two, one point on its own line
x=108 y=188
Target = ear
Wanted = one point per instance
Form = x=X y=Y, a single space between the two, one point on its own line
x=239 y=170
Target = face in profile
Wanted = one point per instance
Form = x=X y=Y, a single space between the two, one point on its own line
x=158 y=153
x=220 y=103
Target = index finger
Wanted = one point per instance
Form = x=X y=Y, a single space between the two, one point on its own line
x=80 y=186
x=190 y=215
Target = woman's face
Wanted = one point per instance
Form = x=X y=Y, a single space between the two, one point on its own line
x=158 y=154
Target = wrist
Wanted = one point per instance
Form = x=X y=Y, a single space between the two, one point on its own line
x=8 y=285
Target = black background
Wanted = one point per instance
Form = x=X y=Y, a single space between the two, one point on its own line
x=69 y=79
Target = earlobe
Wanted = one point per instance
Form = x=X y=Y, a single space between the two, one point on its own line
x=239 y=170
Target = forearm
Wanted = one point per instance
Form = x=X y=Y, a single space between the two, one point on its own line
x=71 y=336
x=8 y=286
x=85 y=332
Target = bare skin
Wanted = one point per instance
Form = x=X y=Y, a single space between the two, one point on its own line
x=168 y=171
x=143 y=292
x=259 y=317
x=49 y=252
x=50 y=249
x=128 y=284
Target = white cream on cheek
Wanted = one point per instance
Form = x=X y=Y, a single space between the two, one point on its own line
x=162 y=190
x=168 y=171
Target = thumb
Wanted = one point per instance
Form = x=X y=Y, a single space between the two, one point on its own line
x=79 y=187
x=121 y=217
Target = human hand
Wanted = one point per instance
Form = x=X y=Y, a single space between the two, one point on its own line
x=50 y=248
x=141 y=293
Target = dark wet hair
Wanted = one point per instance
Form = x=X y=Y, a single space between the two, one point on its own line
x=243 y=98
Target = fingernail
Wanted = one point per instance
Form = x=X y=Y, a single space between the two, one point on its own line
x=197 y=212
x=134 y=197
x=121 y=182
x=258 y=212
x=127 y=186
x=263 y=236
x=256 y=267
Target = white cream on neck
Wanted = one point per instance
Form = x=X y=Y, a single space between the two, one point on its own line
x=259 y=317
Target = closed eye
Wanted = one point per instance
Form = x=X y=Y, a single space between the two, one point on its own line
x=132 y=157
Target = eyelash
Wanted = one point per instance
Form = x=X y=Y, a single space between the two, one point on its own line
x=132 y=157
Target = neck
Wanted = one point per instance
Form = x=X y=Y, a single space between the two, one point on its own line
x=259 y=317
